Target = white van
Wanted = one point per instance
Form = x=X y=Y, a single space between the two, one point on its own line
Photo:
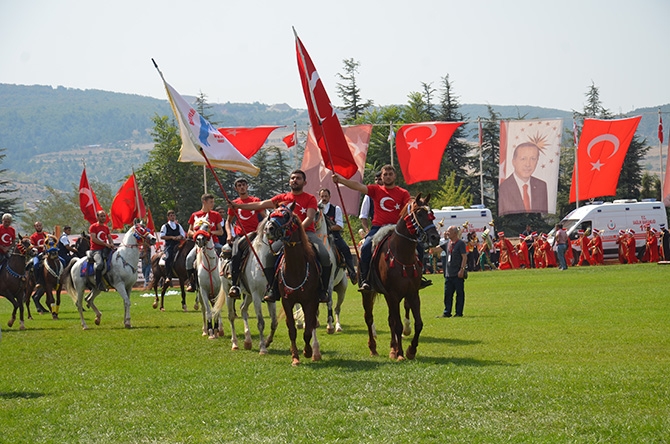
x=610 y=217
x=477 y=218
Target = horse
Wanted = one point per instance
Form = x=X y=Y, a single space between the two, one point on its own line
x=298 y=278
x=179 y=269
x=52 y=269
x=338 y=280
x=253 y=284
x=397 y=273
x=82 y=244
x=13 y=277
x=207 y=269
x=122 y=274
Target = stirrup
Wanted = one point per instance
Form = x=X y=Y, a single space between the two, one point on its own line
x=365 y=286
x=234 y=292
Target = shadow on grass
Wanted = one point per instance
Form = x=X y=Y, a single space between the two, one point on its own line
x=21 y=395
x=373 y=363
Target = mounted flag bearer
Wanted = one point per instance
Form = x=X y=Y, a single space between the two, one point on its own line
x=101 y=245
x=238 y=222
x=215 y=221
x=305 y=209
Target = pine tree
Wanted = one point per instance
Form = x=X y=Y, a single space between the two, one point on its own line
x=350 y=93
x=7 y=203
x=490 y=161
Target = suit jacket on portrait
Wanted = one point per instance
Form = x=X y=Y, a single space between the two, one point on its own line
x=510 y=200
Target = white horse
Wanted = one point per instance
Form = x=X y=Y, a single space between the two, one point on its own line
x=338 y=278
x=253 y=284
x=209 y=280
x=122 y=274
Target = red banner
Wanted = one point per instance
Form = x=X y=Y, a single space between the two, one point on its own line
x=324 y=121
x=420 y=147
x=88 y=202
x=602 y=149
x=128 y=204
x=289 y=140
x=248 y=140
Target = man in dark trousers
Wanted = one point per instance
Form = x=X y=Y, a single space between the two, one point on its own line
x=454 y=272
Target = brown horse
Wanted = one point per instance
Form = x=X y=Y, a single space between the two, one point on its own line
x=178 y=268
x=298 y=278
x=52 y=269
x=13 y=277
x=397 y=273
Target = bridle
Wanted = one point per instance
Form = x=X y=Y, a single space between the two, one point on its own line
x=414 y=226
x=282 y=219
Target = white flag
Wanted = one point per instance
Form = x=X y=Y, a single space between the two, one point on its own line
x=196 y=132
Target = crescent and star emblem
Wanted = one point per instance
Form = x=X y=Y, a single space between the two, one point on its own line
x=602 y=138
x=6 y=238
x=414 y=144
x=383 y=206
x=89 y=195
x=239 y=214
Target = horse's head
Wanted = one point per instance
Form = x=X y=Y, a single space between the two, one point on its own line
x=282 y=223
x=419 y=221
x=203 y=231
x=51 y=247
x=142 y=234
x=23 y=246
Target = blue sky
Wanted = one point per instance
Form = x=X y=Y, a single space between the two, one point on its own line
x=503 y=53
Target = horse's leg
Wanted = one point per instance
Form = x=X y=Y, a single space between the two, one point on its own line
x=207 y=312
x=260 y=324
x=80 y=308
x=312 y=348
x=124 y=291
x=274 y=322
x=368 y=305
x=292 y=331
x=407 y=325
x=230 y=304
x=341 y=292
x=418 y=326
x=183 y=295
x=330 y=328
x=395 y=324
x=15 y=307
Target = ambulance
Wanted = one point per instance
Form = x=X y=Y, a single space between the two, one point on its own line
x=474 y=219
x=610 y=217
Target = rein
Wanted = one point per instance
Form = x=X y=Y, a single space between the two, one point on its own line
x=287 y=288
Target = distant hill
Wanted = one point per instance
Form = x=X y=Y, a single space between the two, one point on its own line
x=47 y=132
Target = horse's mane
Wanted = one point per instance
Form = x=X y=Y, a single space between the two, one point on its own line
x=403 y=212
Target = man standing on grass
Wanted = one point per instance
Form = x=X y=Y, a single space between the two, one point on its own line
x=454 y=272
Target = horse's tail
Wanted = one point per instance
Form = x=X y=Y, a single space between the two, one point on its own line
x=66 y=280
x=219 y=302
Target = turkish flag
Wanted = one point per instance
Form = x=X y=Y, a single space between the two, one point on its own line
x=660 y=128
x=289 y=140
x=420 y=147
x=128 y=204
x=248 y=140
x=88 y=202
x=602 y=148
x=324 y=121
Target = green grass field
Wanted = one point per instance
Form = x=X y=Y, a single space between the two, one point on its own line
x=540 y=356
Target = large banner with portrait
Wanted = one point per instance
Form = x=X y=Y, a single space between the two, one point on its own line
x=530 y=151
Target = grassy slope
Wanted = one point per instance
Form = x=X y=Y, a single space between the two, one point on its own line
x=540 y=356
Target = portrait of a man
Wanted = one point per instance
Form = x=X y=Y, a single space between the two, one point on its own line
x=521 y=192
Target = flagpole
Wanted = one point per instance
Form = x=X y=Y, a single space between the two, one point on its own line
x=295 y=150
x=660 y=149
x=391 y=140
x=481 y=160
x=574 y=131
x=138 y=215
x=330 y=157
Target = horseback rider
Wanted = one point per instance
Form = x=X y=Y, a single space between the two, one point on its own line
x=305 y=209
x=101 y=245
x=367 y=212
x=239 y=222
x=37 y=242
x=172 y=233
x=388 y=200
x=334 y=213
x=7 y=238
x=216 y=224
x=66 y=250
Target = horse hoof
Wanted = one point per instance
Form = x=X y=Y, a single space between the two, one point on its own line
x=401 y=358
x=155 y=305
x=162 y=308
x=11 y=322
x=316 y=357
x=235 y=347
x=247 y=345
x=296 y=362
x=196 y=307
x=22 y=327
x=84 y=327
x=393 y=355
x=262 y=352
x=127 y=326
x=54 y=316
x=97 y=320
x=330 y=330
x=184 y=307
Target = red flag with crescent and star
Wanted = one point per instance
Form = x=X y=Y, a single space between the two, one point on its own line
x=420 y=147
x=289 y=140
x=602 y=149
x=325 y=124
x=248 y=140
x=128 y=204
x=88 y=202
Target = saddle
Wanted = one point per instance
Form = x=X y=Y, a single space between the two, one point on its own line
x=380 y=244
x=88 y=267
x=340 y=262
